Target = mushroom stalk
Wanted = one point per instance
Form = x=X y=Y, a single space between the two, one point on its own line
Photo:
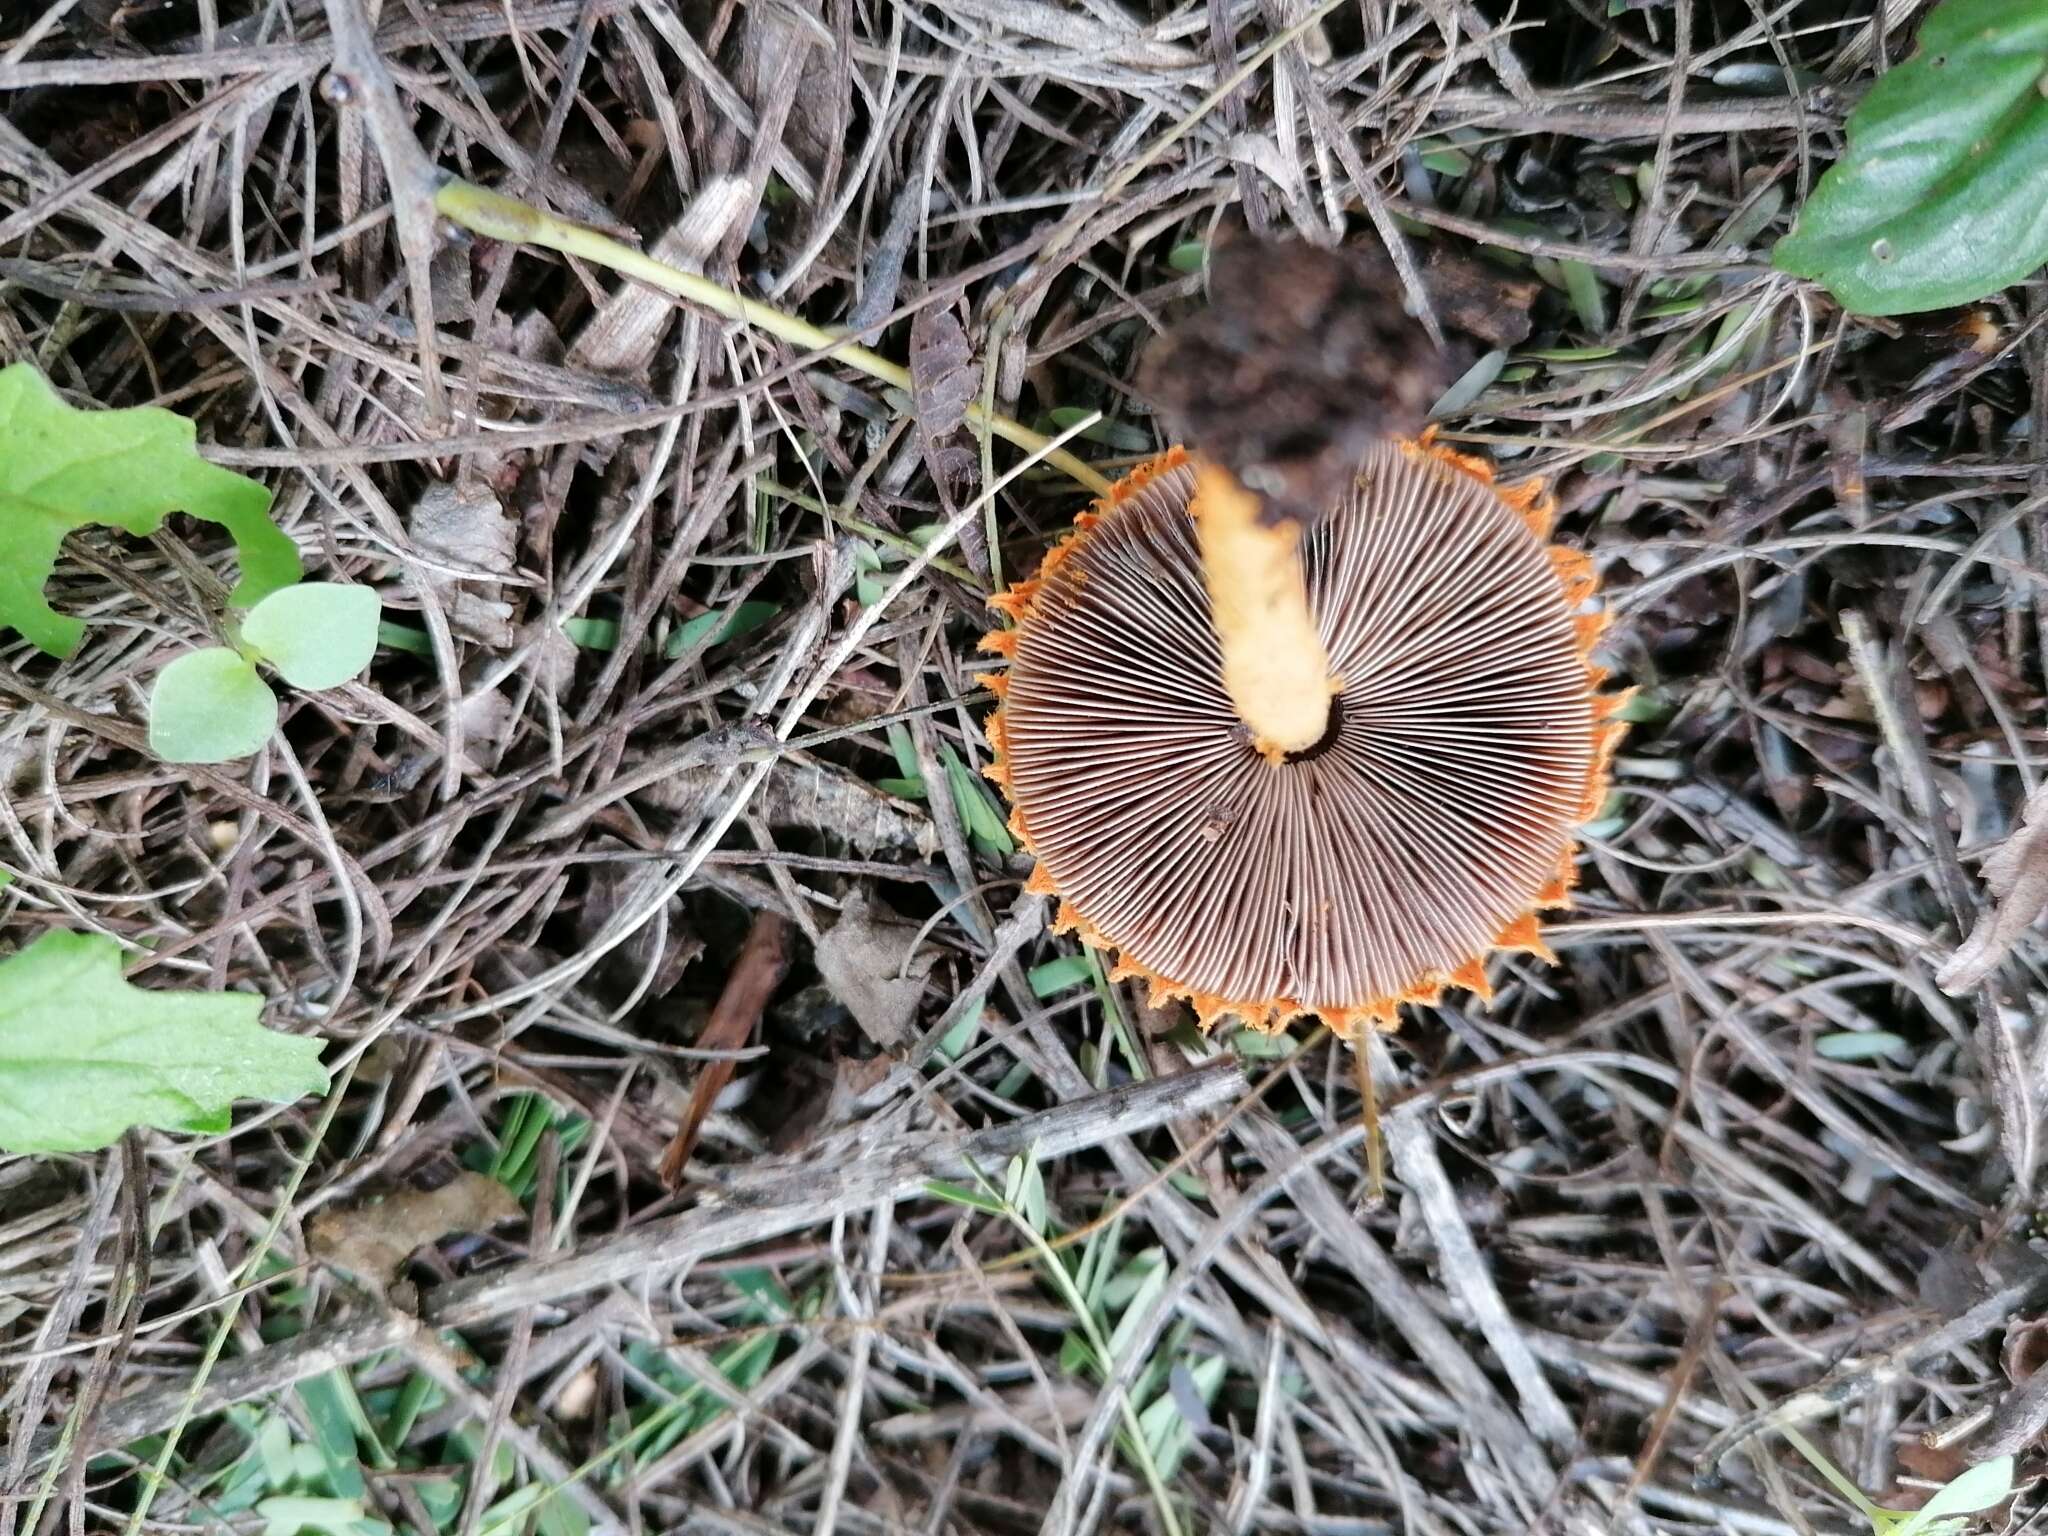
x=1275 y=668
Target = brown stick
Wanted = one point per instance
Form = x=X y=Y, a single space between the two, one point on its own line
x=733 y=1019
x=1274 y=665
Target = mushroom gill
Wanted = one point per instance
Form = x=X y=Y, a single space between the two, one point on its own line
x=1435 y=816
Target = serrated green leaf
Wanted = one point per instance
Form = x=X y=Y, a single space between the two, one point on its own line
x=1942 y=197
x=210 y=707
x=84 y=1055
x=63 y=468
x=318 y=634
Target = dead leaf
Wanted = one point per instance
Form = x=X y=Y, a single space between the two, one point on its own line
x=737 y=1014
x=2025 y=1350
x=942 y=386
x=486 y=727
x=462 y=527
x=2017 y=877
x=464 y=524
x=807 y=793
x=1482 y=300
x=862 y=961
x=373 y=1240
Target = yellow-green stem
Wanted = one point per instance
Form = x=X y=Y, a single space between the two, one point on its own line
x=498 y=217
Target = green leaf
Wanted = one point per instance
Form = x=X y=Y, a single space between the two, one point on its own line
x=62 y=468
x=1444 y=159
x=1165 y=1428
x=1987 y=1484
x=1055 y=976
x=1590 y=304
x=904 y=751
x=318 y=634
x=403 y=637
x=960 y=1036
x=719 y=626
x=960 y=1194
x=84 y=1055
x=1942 y=196
x=1254 y=1046
x=1125 y=436
x=978 y=810
x=1024 y=1189
x=1134 y=1288
x=592 y=634
x=559 y=1517
x=210 y=707
x=293 y=1514
x=1859 y=1044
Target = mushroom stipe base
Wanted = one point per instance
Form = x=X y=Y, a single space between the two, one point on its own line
x=1472 y=737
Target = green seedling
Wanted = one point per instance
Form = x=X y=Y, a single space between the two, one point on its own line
x=1972 y=1491
x=212 y=706
x=1109 y=1311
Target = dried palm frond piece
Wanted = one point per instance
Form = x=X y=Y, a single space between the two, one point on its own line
x=1467 y=739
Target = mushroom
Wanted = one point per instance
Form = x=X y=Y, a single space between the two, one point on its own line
x=1435 y=815
x=1303 y=724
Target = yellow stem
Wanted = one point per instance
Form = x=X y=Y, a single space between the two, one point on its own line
x=498 y=217
x=1274 y=666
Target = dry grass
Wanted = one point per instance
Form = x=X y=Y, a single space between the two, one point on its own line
x=1640 y=1204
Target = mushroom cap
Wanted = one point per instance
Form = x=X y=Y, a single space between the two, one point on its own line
x=1469 y=738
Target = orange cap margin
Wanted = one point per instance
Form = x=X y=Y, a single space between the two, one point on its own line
x=1578 y=583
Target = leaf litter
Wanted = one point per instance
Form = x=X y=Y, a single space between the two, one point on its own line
x=1689 y=1175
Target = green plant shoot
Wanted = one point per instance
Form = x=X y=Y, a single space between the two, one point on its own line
x=212 y=706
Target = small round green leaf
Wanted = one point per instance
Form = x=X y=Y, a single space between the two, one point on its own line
x=318 y=634
x=210 y=707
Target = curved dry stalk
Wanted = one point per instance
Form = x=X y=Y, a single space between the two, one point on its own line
x=499 y=217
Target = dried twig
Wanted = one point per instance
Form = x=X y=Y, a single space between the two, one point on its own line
x=754 y=976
